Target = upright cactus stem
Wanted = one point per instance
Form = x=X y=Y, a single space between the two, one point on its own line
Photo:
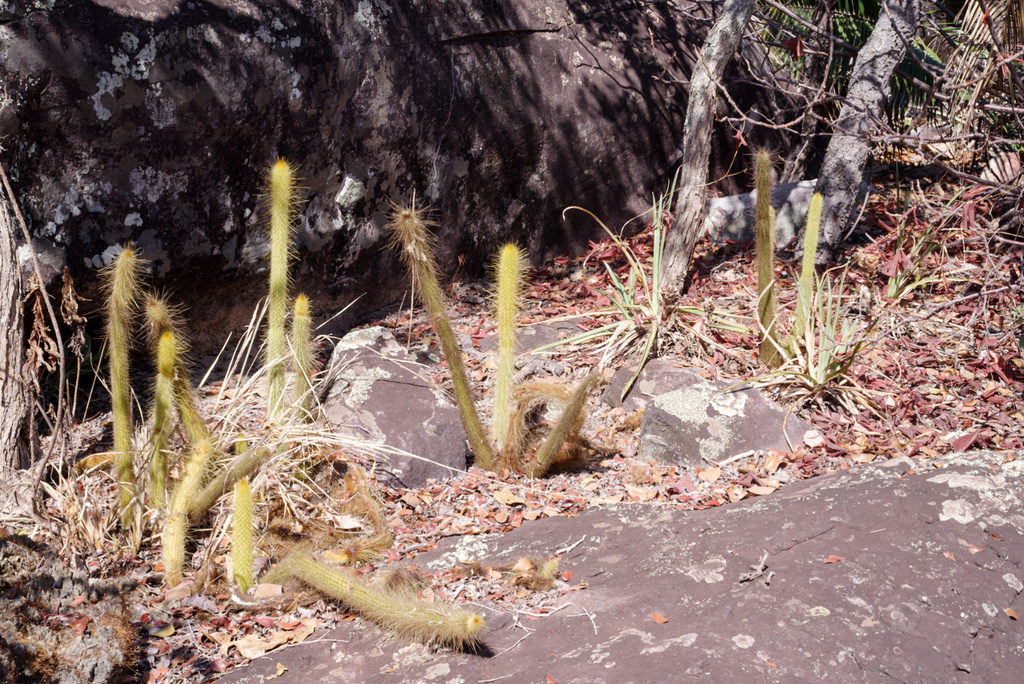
x=163 y=406
x=409 y=229
x=282 y=199
x=766 y=306
x=121 y=282
x=241 y=536
x=177 y=523
x=163 y=340
x=302 y=344
x=805 y=289
x=509 y=270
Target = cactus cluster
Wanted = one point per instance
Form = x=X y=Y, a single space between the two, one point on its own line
x=200 y=485
x=773 y=352
x=514 y=438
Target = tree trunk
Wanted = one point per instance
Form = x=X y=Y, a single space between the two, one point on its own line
x=816 y=74
x=14 y=396
x=688 y=225
x=847 y=154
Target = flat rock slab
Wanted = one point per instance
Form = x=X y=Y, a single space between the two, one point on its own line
x=906 y=571
x=380 y=394
x=689 y=420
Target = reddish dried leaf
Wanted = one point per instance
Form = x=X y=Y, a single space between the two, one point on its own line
x=1012 y=613
x=795 y=46
x=659 y=618
x=832 y=559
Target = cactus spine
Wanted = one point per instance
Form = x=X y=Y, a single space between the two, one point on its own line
x=302 y=343
x=397 y=611
x=509 y=270
x=241 y=537
x=176 y=525
x=410 y=232
x=282 y=199
x=122 y=290
x=805 y=289
x=766 y=307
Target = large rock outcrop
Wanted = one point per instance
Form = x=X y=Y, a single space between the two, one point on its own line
x=902 y=571
x=153 y=120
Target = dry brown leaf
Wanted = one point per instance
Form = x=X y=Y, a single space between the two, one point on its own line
x=659 y=618
x=1012 y=613
x=641 y=494
x=758 y=490
x=605 y=500
x=735 y=493
x=308 y=626
x=506 y=497
x=523 y=565
x=772 y=463
x=710 y=474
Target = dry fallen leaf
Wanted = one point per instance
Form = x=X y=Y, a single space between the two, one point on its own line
x=659 y=618
x=523 y=565
x=772 y=463
x=162 y=632
x=220 y=638
x=758 y=490
x=604 y=500
x=735 y=493
x=1012 y=613
x=813 y=439
x=641 y=494
x=508 y=498
x=281 y=669
x=832 y=559
x=710 y=474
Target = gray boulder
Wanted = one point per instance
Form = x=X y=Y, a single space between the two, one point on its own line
x=378 y=393
x=155 y=122
x=689 y=420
